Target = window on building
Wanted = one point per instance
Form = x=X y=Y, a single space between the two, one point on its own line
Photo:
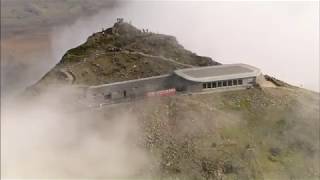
x=219 y=83
x=209 y=84
x=230 y=83
x=235 y=82
x=240 y=81
x=204 y=85
x=214 y=84
x=224 y=83
x=124 y=93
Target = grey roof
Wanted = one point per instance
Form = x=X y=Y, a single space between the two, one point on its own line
x=218 y=72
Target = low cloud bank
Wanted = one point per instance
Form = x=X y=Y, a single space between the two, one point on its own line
x=43 y=139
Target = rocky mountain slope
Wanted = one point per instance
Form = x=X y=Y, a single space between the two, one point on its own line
x=268 y=132
x=120 y=53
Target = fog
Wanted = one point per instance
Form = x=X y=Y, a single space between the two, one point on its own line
x=280 y=38
x=47 y=138
x=36 y=136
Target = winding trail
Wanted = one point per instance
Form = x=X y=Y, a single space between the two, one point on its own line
x=160 y=57
x=71 y=78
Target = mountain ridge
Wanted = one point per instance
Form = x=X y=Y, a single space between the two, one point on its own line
x=120 y=53
x=266 y=132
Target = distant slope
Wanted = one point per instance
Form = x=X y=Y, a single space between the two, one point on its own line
x=19 y=16
x=119 y=53
x=28 y=29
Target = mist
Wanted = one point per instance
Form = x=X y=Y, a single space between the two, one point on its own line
x=281 y=38
x=49 y=138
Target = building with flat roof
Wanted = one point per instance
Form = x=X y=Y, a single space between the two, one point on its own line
x=216 y=77
x=197 y=79
x=221 y=72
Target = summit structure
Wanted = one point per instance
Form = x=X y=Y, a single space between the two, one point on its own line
x=189 y=80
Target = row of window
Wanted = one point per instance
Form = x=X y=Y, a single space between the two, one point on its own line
x=217 y=84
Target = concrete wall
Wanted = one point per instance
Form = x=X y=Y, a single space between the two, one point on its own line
x=138 y=88
x=183 y=85
x=130 y=89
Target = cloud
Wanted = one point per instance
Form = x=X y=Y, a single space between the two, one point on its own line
x=280 y=38
x=45 y=139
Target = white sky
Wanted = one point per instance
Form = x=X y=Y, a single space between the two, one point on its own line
x=281 y=38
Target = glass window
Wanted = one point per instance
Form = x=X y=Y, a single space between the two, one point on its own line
x=235 y=82
x=209 y=84
x=240 y=81
x=219 y=83
x=230 y=83
x=204 y=85
x=214 y=84
x=224 y=83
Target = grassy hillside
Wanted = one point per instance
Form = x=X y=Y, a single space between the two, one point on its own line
x=269 y=133
x=261 y=133
x=120 y=53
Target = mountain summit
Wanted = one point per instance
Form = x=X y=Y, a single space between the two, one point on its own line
x=269 y=131
x=122 y=52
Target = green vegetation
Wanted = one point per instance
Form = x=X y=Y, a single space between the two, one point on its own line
x=120 y=53
x=260 y=133
x=250 y=134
